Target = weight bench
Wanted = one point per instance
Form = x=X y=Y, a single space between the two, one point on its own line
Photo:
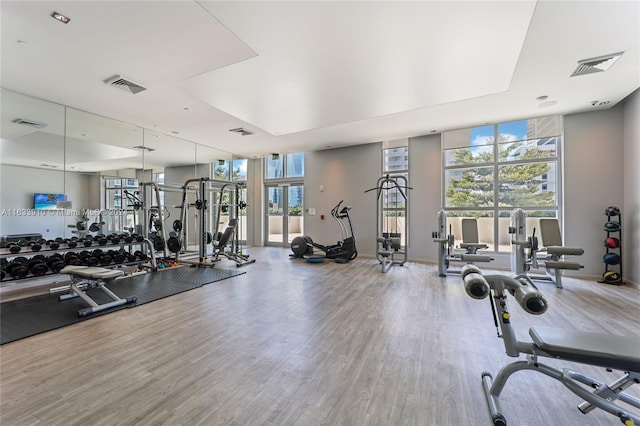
x=219 y=247
x=84 y=278
x=609 y=351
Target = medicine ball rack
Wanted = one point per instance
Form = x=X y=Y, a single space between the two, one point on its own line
x=613 y=245
x=48 y=261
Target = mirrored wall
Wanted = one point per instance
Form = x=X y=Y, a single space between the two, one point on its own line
x=62 y=169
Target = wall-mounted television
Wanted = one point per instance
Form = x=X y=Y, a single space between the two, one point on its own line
x=43 y=201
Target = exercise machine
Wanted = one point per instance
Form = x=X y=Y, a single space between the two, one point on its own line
x=342 y=252
x=467 y=252
x=84 y=278
x=526 y=252
x=226 y=240
x=392 y=220
x=612 y=352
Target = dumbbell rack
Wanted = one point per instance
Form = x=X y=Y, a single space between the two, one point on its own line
x=614 y=234
x=6 y=254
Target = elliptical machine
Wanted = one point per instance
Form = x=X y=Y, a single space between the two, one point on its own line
x=342 y=252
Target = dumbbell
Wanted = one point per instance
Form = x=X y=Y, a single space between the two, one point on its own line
x=138 y=238
x=140 y=255
x=37 y=265
x=53 y=245
x=34 y=246
x=71 y=243
x=3 y=266
x=14 y=248
x=56 y=263
x=87 y=241
x=120 y=256
x=104 y=258
x=72 y=259
x=88 y=258
x=18 y=268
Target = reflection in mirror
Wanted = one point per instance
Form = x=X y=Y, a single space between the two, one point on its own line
x=31 y=162
x=169 y=162
x=101 y=157
x=215 y=164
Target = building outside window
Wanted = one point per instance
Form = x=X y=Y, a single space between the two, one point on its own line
x=395 y=162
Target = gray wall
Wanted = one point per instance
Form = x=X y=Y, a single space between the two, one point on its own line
x=345 y=174
x=425 y=176
x=631 y=206
x=593 y=180
x=18 y=185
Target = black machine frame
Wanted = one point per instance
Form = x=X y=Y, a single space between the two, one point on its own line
x=342 y=252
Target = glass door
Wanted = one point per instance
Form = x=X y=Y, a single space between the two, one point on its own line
x=295 y=213
x=285 y=213
x=275 y=215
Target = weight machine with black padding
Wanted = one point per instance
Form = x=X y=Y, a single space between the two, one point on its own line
x=392 y=202
x=611 y=352
x=213 y=199
x=527 y=253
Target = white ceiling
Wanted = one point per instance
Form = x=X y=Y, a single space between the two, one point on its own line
x=312 y=75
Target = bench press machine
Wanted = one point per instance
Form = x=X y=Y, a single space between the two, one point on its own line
x=621 y=353
x=468 y=249
x=84 y=278
x=553 y=255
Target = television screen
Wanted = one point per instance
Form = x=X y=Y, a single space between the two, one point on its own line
x=47 y=201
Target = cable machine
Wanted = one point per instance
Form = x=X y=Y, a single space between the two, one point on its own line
x=392 y=219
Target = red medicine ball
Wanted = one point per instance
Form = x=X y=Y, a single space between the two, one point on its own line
x=611 y=242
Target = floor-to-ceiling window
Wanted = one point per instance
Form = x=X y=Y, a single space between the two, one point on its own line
x=491 y=170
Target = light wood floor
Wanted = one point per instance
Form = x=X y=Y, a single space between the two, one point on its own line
x=292 y=343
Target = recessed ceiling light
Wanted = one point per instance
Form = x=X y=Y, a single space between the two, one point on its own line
x=175 y=132
x=186 y=109
x=542 y=98
x=547 y=104
x=60 y=17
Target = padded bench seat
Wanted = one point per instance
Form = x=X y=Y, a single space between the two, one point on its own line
x=605 y=350
x=92 y=272
x=85 y=277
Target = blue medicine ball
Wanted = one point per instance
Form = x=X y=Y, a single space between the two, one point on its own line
x=611 y=258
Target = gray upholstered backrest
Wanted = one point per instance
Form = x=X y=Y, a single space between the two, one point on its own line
x=550 y=232
x=469 y=231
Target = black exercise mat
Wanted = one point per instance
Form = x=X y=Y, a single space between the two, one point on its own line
x=27 y=317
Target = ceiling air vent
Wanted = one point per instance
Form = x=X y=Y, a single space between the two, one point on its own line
x=593 y=65
x=124 y=84
x=29 y=123
x=241 y=131
x=144 y=148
